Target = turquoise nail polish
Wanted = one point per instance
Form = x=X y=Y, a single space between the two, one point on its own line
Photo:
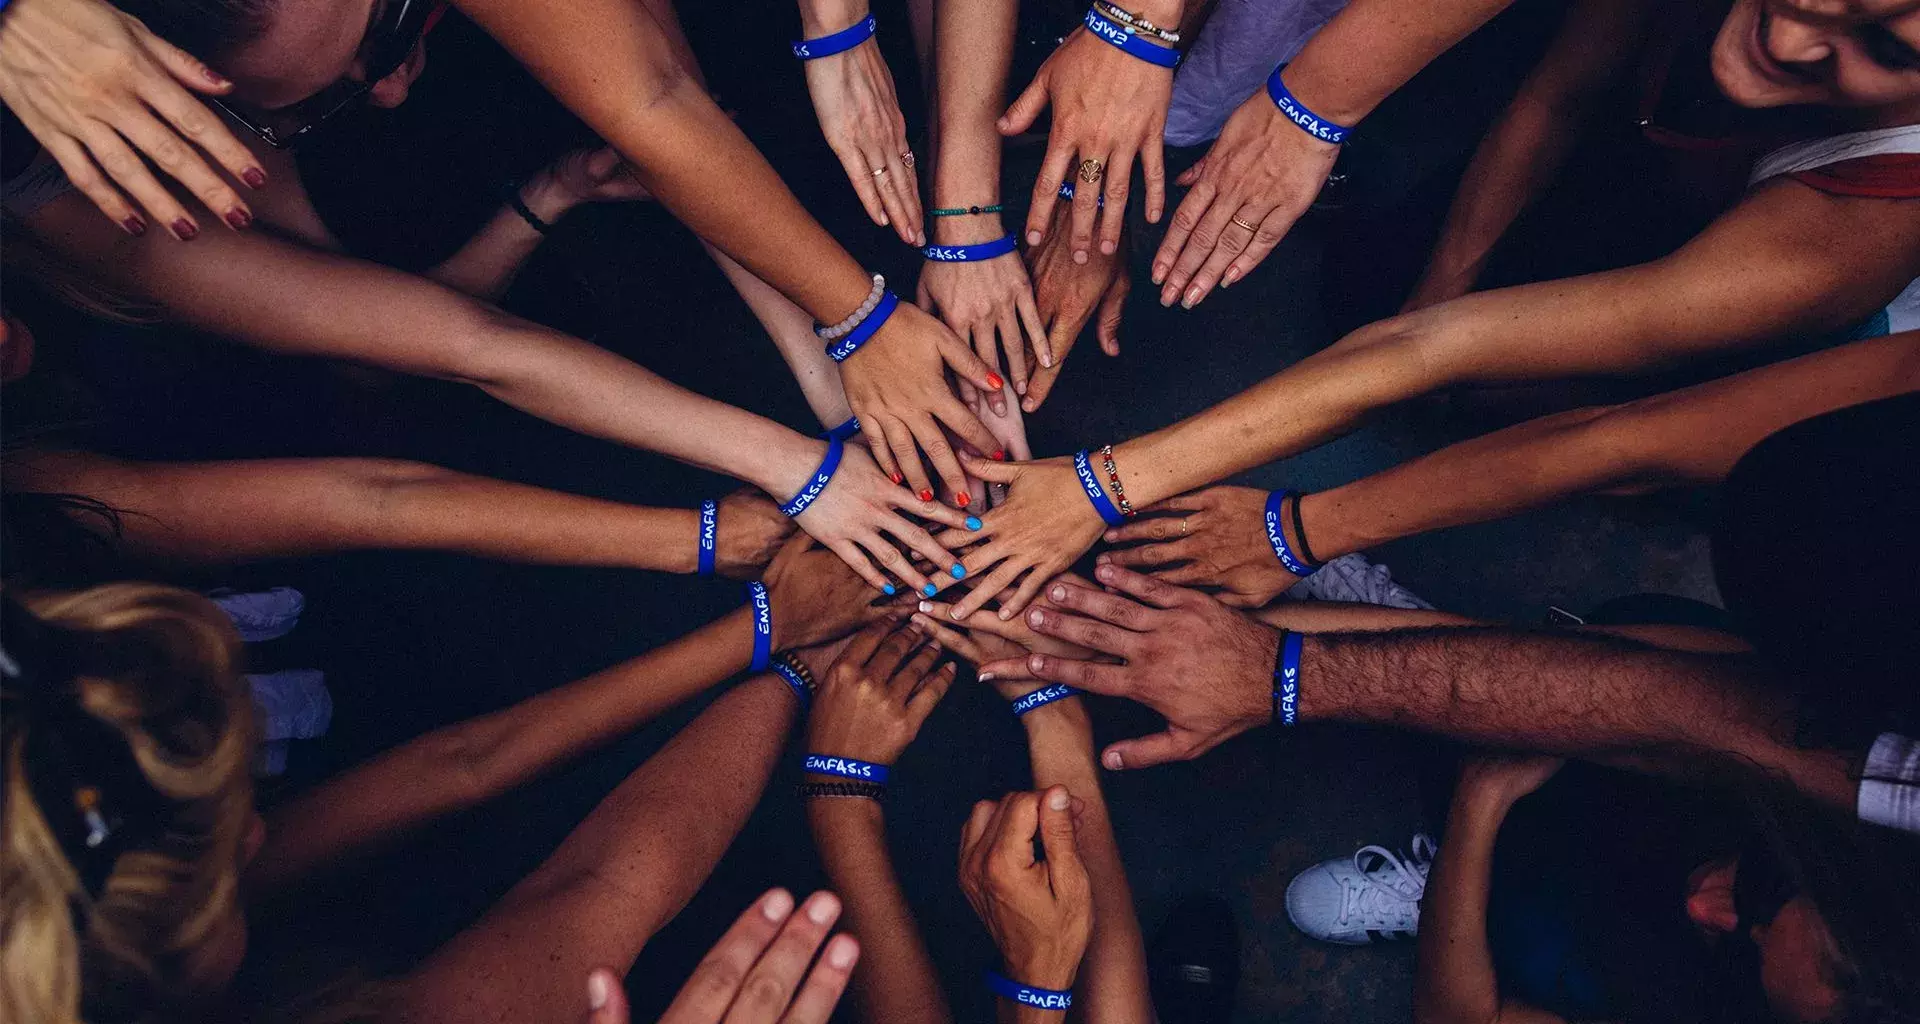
x=959 y=571
x=887 y=590
x=929 y=590
x=973 y=522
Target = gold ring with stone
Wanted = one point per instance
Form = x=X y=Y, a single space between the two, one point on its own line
x=907 y=158
x=1090 y=171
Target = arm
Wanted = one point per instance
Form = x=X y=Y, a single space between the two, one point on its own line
x=1453 y=978
x=792 y=332
x=1526 y=146
x=229 y=512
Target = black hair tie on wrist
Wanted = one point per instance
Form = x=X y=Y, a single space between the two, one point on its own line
x=526 y=213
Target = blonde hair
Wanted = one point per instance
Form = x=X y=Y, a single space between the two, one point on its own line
x=174 y=693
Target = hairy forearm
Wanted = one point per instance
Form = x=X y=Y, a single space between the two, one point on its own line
x=1372 y=47
x=468 y=763
x=1113 y=979
x=895 y=980
x=1453 y=978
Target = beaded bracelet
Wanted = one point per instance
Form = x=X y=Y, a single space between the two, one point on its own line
x=862 y=790
x=1134 y=21
x=843 y=327
x=1124 y=39
x=1113 y=477
x=1088 y=483
x=962 y=211
x=841 y=348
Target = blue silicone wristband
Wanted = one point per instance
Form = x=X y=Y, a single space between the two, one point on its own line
x=1277 y=536
x=1286 y=680
x=970 y=253
x=762 y=606
x=846 y=768
x=817 y=482
x=1066 y=192
x=844 y=430
x=1042 y=697
x=709 y=534
x=793 y=679
x=840 y=350
x=1311 y=123
x=1127 y=41
x=836 y=42
x=1108 y=513
x=1028 y=995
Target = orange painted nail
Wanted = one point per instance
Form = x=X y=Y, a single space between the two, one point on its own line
x=961 y=500
x=926 y=495
x=994 y=381
x=999 y=455
x=896 y=477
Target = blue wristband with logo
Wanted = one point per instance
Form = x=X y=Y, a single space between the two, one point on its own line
x=970 y=253
x=794 y=681
x=1066 y=192
x=1286 y=680
x=836 y=42
x=817 y=482
x=1277 y=536
x=844 y=431
x=1101 y=504
x=840 y=350
x=1311 y=123
x=1131 y=44
x=1028 y=995
x=709 y=534
x=846 y=768
x=1042 y=697
x=762 y=606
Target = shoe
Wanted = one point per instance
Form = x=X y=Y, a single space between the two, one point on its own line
x=1353 y=579
x=1193 y=963
x=262 y=614
x=1355 y=900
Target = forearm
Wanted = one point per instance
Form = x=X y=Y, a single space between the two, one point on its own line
x=895 y=979
x=1453 y=978
x=1371 y=48
x=466 y=764
x=1113 y=977
x=973 y=48
x=792 y=332
x=489 y=261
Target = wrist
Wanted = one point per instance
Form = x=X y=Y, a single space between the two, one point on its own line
x=685 y=546
x=1044 y=968
x=784 y=467
x=1478 y=804
x=968 y=229
x=547 y=198
x=819 y=17
x=1061 y=721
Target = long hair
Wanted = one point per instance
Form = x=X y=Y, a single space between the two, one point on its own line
x=158 y=667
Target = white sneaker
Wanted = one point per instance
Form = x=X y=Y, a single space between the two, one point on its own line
x=1355 y=900
x=262 y=614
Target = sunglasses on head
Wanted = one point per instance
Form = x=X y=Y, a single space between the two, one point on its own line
x=390 y=40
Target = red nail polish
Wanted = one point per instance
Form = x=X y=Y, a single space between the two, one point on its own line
x=926 y=495
x=238 y=219
x=184 y=229
x=134 y=226
x=961 y=500
x=254 y=177
x=999 y=455
x=896 y=477
x=994 y=381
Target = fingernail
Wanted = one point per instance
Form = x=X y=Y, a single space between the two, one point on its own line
x=1226 y=282
x=887 y=590
x=884 y=220
x=1037 y=618
x=1159 y=274
x=926 y=495
x=954 y=614
x=1058 y=593
x=1166 y=297
x=1112 y=760
x=134 y=226
x=1059 y=799
x=777 y=905
x=929 y=590
x=1036 y=663
x=959 y=571
x=925 y=606
x=823 y=907
x=896 y=478
x=1033 y=238
x=961 y=500
x=999 y=455
x=184 y=230
x=1107 y=248
x=1193 y=296
x=842 y=955
x=994 y=381
x=1103 y=572
x=597 y=991
x=1233 y=274
x=987 y=677
x=1111 y=537
x=238 y=219
x=1080 y=256
x=973 y=522
x=254 y=177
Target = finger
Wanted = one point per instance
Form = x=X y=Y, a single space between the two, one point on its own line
x=1014 y=830
x=1092 y=676
x=184 y=164
x=1186 y=217
x=130 y=173
x=860 y=649
x=950 y=638
x=1086 y=206
x=1192 y=574
x=1145 y=588
x=1039 y=387
x=1092 y=635
x=976 y=828
x=861 y=565
x=1186 y=501
x=861 y=174
x=1064 y=869
x=1158 y=528
x=1029 y=312
x=930 y=690
x=1273 y=228
x=1006 y=669
x=907 y=680
x=1015 y=346
x=1026 y=107
x=1208 y=236
x=946 y=463
x=1235 y=239
x=1009 y=607
x=1146 y=752
x=984 y=345
x=1119 y=181
x=1192 y=174
x=953 y=518
x=927 y=546
x=185 y=67
x=1054 y=169
x=896 y=563
x=983 y=620
x=1153 y=169
x=1111 y=305
x=770 y=986
x=904 y=188
x=817 y=998
x=718 y=977
x=890 y=184
x=999 y=580
x=905 y=454
x=960 y=358
x=892 y=652
x=1118 y=611
x=606 y=998
x=880 y=444
x=87 y=179
x=991 y=471
x=198 y=125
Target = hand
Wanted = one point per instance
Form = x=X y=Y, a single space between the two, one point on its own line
x=1067 y=293
x=980 y=300
x=750 y=530
x=860 y=116
x=1046 y=523
x=1010 y=430
x=859 y=506
x=1505 y=778
x=1219 y=537
x=757 y=972
x=1206 y=668
x=897 y=385
x=816 y=597
x=1263 y=170
x=990 y=639
x=871 y=703
x=1038 y=912
x=1107 y=106
x=100 y=92
x=596 y=174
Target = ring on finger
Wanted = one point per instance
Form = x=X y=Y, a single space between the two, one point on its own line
x=1255 y=228
x=906 y=157
x=879 y=171
x=1183 y=526
x=1091 y=170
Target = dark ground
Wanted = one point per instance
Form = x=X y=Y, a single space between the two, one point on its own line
x=410 y=642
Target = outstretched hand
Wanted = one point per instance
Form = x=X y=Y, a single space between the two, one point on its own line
x=1040 y=913
x=878 y=693
x=1216 y=537
x=1067 y=294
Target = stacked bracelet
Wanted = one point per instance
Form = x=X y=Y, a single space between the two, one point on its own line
x=1300 y=534
x=1277 y=536
x=1113 y=477
x=1311 y=123
x=963 y=211
x=868 y=326
x=1029 y=995
x=709 y=535
x=1135 y=22
x=836 y=42
x=843 y=327
x=970 y=253
x=811 y=490
x=846 y=768
x=1286 y=679
x=797 y=676
x=1108 y=514
x=863 y=790
x=1042 y=697
x=762 y=607
x=1129 y=43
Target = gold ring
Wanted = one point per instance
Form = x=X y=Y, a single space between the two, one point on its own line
x=1183 y=526
x=1255 y=228
x=1090 y=171
x=879 y=171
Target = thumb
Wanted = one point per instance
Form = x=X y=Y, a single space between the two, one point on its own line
x=989 y=470
x=602 y=164
x=1057 y=836
x=606 y=998
x=1108 y=328
x=1192 y=174
x=1145 y=751
x=185 y=67
x=1026 y=109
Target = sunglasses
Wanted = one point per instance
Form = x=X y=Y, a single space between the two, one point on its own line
x=390 y=39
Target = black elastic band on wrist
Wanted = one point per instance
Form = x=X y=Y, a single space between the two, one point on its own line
x=1300 y=533
x=858 y=790
x=526 y=213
